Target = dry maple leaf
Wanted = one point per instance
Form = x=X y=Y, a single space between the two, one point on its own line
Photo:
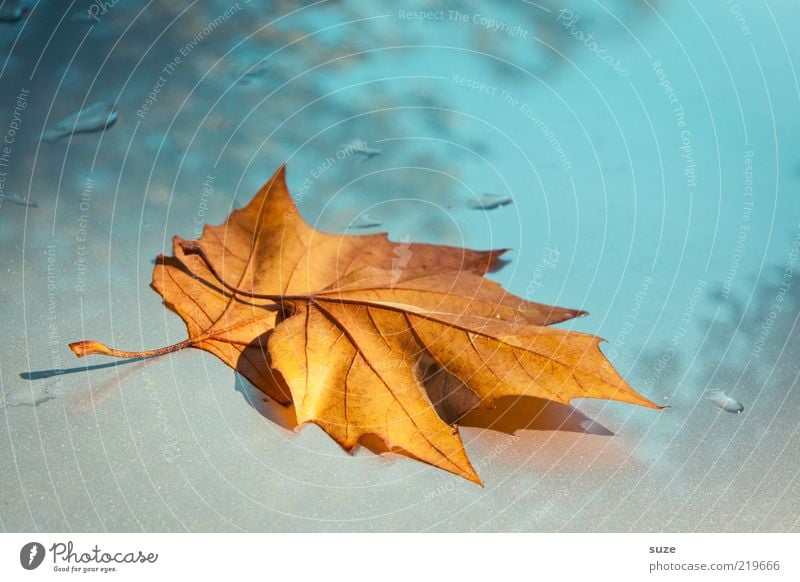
x=361 y=347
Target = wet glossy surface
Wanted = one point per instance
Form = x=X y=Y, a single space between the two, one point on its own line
x=651 y=150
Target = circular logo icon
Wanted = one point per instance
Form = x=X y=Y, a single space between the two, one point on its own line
x=31 y=555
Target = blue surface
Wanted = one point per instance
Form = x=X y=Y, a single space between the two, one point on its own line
x=658 y=191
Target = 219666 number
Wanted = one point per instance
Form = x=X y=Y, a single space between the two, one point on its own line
x=765 y=565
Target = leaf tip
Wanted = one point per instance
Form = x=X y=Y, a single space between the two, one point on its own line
x=278 y=179
x=475 y=479
x=496 y=260
x=646 y=402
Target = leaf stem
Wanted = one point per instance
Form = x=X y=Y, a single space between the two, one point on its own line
x=88 y=348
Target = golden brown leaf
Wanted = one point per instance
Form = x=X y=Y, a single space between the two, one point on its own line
x=362 y=343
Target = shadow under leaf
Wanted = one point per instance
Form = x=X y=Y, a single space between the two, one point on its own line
x=42 y=374
x=454 y=402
